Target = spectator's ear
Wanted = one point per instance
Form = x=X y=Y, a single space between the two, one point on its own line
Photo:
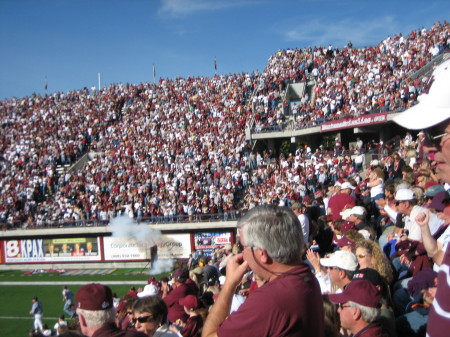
x=261 y=255
x=356 y=314
x=82 y=320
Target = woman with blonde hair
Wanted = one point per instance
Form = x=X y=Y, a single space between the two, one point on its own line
x=370 y=255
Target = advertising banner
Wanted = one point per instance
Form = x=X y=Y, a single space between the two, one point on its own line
x=174 y=246
x=52 y=250
x=354 y=122
x=209 y=241
x=125 y=248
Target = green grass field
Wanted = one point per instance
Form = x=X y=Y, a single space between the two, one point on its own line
x=15 y=320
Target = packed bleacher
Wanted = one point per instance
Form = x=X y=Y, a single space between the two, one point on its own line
x=359 y=249
x=176 y=150
x=351 y=82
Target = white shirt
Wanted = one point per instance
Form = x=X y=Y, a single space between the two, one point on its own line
x=444 y=239
x=415 y=232
x=304 y=221
x=378 y=189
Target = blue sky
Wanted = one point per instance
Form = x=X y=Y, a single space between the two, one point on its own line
x=70 y=41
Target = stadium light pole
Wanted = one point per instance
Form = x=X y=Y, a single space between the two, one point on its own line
x=154 y=74
x=99 y=81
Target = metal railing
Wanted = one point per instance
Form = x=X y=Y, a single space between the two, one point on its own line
x=151 y=220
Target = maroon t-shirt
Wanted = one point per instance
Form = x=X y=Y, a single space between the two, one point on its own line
x=290 y=305
x=176 y=311
x=338 y=202
x=192 y=327
x=439 y=318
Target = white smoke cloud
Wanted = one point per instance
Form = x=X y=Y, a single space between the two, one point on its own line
x=161 y=266
x=125 y=227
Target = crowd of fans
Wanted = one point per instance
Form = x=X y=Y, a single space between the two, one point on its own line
x=176 y=150
x=351 y=236
x=350 y=82
x=160 y=150
x=359 y=250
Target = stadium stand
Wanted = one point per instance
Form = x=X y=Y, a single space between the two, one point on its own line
x=176 y=151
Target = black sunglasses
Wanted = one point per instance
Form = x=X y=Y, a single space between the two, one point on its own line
x=143 y=319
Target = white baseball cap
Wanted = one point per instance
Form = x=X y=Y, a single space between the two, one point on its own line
x=149 y=290
x=341 y=259
x=358 y=210
x=434 y=102
x=404 y=194
x=346 y=213
x=347 y=185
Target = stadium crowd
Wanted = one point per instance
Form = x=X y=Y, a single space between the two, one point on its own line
x=158 y=150
x=176 y=150
x=347 y=255
x=350 y=82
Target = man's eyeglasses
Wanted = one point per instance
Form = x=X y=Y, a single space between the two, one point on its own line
x=398 y=203
x=434 y=140
x=342 y=306
x=143 y=319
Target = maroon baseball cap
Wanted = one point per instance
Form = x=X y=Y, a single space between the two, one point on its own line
x=440 y=201
x=347 y=226
x=94 y=296
x=359 y=291
x=342 y=242
x=181 y=273
x=190 y=302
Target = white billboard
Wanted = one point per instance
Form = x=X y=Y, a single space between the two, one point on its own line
x=125 y=248
x=174 y=246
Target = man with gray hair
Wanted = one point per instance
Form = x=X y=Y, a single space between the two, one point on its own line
x=97 y=314
x=359 y=309
x=289 y=303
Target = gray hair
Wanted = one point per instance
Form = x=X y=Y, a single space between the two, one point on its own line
x=368 y=314
x=96 y=318
x=275 y=229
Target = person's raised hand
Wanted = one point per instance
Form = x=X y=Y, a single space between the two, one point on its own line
x=236 y=268
x=423 y=218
